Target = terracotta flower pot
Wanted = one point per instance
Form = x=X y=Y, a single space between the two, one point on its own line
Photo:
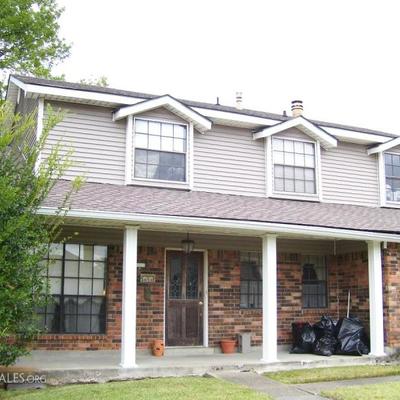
x=228 y=346
x=158 y=348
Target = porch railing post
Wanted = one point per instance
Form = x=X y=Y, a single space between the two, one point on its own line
x=375 y=298
x=269 y=300
x=129 y=292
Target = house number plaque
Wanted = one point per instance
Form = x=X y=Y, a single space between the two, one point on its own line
x=147 y=278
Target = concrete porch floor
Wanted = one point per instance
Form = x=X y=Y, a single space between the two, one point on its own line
x=62 y=367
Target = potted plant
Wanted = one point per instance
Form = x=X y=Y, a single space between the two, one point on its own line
x=158 y=348
x=228 y=346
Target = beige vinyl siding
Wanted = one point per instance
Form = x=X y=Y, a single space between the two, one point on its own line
x=349 y=175
x=161 y=113
x=228 y=160
x=97 y=141
x=294 y=133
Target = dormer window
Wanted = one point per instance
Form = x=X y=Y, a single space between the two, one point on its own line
x=160 y=150
x=392 y=172
x=293 y=166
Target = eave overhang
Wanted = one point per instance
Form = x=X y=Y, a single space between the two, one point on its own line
x=200 y=123
x=327 y=141
x=384 y=146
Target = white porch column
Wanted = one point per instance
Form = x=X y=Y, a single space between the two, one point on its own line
x=129 y=286
x=375 y=298
x=269 y=299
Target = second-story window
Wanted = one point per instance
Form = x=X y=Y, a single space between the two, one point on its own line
x=160 y=150
x=294 y=166
x=392 y=171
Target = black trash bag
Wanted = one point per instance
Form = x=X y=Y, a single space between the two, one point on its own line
x=325 y=346
x=351 y=337
x=326 y=326
x=303 y=338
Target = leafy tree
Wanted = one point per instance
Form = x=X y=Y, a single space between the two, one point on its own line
x=29 y=37
x=100 y=81
x=25 y=235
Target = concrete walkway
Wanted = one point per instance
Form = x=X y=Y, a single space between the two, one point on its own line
x=259 y=383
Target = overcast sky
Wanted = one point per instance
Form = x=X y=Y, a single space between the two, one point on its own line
x=340 y=57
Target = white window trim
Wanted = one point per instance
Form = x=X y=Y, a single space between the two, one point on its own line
x=130 y=178
x=270 y=171
x=382 y=181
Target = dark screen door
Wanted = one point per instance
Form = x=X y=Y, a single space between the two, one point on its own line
x=184 y=299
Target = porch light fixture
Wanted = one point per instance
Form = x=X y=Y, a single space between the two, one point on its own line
x=187 y=245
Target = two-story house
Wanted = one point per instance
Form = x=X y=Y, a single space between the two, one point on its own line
x=200 y=221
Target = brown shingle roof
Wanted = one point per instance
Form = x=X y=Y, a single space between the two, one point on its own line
x=146 y=200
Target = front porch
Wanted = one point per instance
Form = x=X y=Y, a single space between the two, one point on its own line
x=65 y=367
x=136 y=310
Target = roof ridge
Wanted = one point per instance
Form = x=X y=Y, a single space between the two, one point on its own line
x=191 y=103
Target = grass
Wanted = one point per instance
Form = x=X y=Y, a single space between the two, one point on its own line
x=380 y=391
x=333 y=373
x=193 y=388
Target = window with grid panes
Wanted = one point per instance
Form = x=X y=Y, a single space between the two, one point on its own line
x=392 y=172
x=77 y=281
x=314 y=282
x=160 y=150
x=250 y=280
x=293 y=166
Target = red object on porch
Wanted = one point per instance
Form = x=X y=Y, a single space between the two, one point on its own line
x=228 y=346
x=158 y=348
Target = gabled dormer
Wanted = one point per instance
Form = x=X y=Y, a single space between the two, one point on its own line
x=160 y=151
x=293 y=156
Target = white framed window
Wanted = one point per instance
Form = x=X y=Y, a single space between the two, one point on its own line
x=160 y=151
x=294 y=167
x=392 y=177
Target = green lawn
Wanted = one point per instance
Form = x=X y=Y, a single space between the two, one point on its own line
x=193 y=388
x=333 y=373
x=380 y=391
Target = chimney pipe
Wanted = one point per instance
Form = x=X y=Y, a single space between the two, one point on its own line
x=239 y=98
x=297 y=108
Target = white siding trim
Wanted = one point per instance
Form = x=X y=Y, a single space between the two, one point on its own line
x=327 y=141
x=129 y=150
x=318 y=170
x=39 y=130
x=385 y=146
x=268 y=165
x=185 y=112
x=382 y=180
x=290 y=195
x=190 y=156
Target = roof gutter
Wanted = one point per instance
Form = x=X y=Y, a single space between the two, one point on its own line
x=235 y=225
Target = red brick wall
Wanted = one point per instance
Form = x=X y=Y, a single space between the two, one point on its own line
x=344 y=272
x=391 y=290
x=226 y=318
x=150 y=310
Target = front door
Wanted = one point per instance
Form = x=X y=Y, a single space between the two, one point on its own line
x=184 y=299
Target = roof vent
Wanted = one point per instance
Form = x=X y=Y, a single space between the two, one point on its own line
x=239 y=99
x=297 y=108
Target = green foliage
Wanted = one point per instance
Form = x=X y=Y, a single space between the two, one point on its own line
x=100 y=81
x=25 y=235
x=29 y=37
